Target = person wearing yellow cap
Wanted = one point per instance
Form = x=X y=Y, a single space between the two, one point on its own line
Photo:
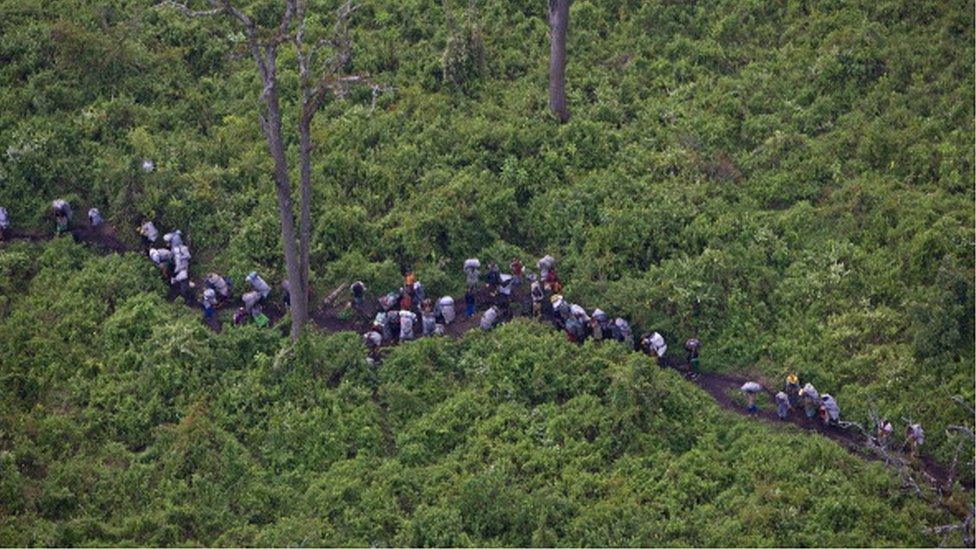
x=792 y=389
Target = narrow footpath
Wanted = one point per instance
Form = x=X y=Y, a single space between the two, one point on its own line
x=724 y=388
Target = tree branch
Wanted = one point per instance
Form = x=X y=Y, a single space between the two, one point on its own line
x=237 y=14
x=955 y=464
x=961 y=430
x=185 y=10
x=962 y=402
x=224 y=7
x=335 y=84
x=376 y=92
x=965 y=528
x=899 y=464
x=340 y=32
x=282 y=34
x=299 y=40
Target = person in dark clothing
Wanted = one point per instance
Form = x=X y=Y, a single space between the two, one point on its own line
x=469 y=303
x=596 y=331
x=62 y=215
x=537 y=297
x=493 y=278
x=574 y=330
x=149 y=234
x=885 y=428
x=792 y=388
x=358 y=291
x=693 y=345
x=551 y=282
x=209 y=303
x=4 y=221
x=220 y=285
x=240 y=316
x=95 y=218
x=393 y=323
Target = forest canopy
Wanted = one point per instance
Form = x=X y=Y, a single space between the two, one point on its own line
x=791 y=182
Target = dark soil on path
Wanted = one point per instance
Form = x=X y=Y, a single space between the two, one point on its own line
x=722 y=387
x=344 y=316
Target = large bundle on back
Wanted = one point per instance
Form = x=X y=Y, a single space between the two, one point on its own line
x=446 y=306
x=751 y=387
x=579 y=312
x=600 y=316
x=546 y=264
x=488 y=318
x=831 y=407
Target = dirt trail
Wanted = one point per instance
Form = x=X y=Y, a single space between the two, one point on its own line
x=346 y=317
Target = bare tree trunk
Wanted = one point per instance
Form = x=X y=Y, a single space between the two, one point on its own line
x=558 y=24
x=305 y=215
x=272 y=131
x=265 y=55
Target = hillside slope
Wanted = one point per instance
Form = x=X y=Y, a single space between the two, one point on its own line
x=791 y=182
x=153 y=430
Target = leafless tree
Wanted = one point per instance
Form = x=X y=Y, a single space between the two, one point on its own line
x=318 y=78
x=558 y=25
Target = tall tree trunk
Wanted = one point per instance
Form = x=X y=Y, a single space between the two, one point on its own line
x=272 y=131
x=305 y=204
x=265 y=54
x=558 y=23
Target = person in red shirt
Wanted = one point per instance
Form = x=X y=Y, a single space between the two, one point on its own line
x=406 y=302
x=552 y=281
x=516 y=268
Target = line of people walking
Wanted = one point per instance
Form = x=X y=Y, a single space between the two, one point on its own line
x=174 y=264
x=824 y=407
x=62 y=214
x=501 y=292
x=402 y=309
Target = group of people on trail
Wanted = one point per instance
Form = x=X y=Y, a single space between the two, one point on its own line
x=823 y=406
x=173 y=261
x=172 y=258
x=217 y=291
x=401 y=310
x=914 y=435
x=793 y=396
x=62 y=214
x=61 y=210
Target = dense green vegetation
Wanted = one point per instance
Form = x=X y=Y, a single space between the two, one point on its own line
x=154 y=430
x=790 y=181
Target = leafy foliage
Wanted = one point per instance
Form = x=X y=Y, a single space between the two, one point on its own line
x=789 y=182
